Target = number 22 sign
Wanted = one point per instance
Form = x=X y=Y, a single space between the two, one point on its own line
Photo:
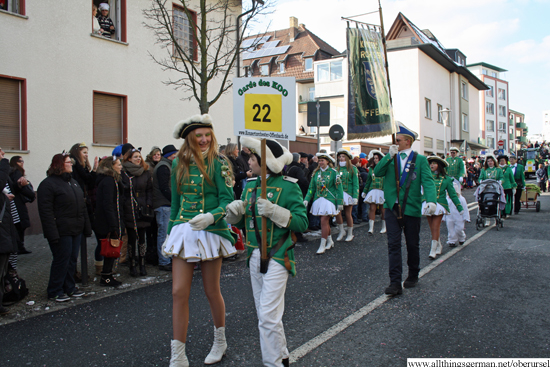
x=263 y=112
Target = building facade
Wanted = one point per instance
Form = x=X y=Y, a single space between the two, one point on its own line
x=519 y=128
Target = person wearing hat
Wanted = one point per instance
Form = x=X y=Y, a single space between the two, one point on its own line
x=455 y=166
x=508 y=184
x=162 y=198
x=325 y=189
x=373 y=193
x=106 y=24
x=284 y=212
x=413 y=174
x=519 y=176
x=202 y=186
x=455 y=220
x=349 y=176
x=443 y=187
x=490 y=170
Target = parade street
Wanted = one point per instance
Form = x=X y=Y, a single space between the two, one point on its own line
x=486 y=299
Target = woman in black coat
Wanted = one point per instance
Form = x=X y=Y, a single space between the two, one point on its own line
x=239 y=171
x=64 y=217
x=109 y=215
x=138 y=196
x=24 y=193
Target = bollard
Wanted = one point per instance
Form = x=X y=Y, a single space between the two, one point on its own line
x=84 y=260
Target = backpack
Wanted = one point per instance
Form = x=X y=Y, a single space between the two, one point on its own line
x=15 y=288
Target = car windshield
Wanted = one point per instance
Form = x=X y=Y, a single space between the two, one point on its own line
x=531 y=155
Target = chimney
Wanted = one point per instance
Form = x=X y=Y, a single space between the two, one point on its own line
x=293 y=28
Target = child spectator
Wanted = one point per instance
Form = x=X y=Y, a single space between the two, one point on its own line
x=105 y=22
x=455 y=221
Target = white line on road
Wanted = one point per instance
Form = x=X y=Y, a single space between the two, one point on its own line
x=304 y=349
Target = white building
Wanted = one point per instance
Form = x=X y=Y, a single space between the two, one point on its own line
x=546 y=125
x=65 y=85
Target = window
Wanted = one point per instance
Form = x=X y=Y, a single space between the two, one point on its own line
x=490 y=108
x=491 y=142
x=502 y=126
x=502 y=94
x=329 y=71
x=309 y=64
x=336 y=70
x=502 y=111
x=490 y=92
x=117 y=13
x=464 y=90
x=494 y=74
x=428 y=142
x=490 y=126
x=428 y=109
x=13 y=113
x=282 y=68
x=265 y=69
x=183 y=32
x=110 y=119
x=440 y=144
x=13 y=6
x=323 y=72
x=439 y=114
x=464 y=122
x=311 y=93
x=484 y=72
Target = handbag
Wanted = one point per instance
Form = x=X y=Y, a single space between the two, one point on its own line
x=146 y=213
x=27 y=194
x=110 y=247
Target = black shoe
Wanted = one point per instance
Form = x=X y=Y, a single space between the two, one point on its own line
x=107 y=280
x=61 y=298
x=301 y=239
x=286 y=362
x=142 y=271
x=461 y=243
x=77 y=293
x=410 y=282
x=24 y=251
x=231 y=258
x=165 y=267
x=357 y=221
x=452 y=244
x=5 y=311
x=133 y=271
x=394 y=289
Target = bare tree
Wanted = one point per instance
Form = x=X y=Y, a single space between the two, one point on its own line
x=208 y=59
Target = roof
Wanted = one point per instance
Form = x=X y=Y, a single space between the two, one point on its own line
x=488 y=66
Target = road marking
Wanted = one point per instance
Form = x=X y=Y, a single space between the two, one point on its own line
x=325 y=336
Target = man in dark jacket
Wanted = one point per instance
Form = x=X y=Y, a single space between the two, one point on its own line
x=8 y=234
x=162 y=199
x=296 y=170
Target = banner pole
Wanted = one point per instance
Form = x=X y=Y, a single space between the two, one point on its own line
x=264 y=259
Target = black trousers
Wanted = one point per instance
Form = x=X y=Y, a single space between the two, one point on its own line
x=412 y=239
x=517 y=203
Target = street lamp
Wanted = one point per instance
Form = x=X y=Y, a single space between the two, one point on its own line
x=445 y=115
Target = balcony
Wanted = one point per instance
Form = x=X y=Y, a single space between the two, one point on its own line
x=521 y=125
x=522 y=139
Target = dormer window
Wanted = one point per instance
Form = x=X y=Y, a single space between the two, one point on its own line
x=309 y=64
x=265 y=70
x=282 y=68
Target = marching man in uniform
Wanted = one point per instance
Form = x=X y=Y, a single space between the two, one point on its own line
x=414 y=173
x=519 y=176
x=285 y=212
x=456 y=166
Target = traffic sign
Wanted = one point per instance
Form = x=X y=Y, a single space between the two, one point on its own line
x=336 y=132
x=265 y=107
x=324 y=113
x=501 y=144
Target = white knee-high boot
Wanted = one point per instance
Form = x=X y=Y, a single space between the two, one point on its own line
x=383 y=230
x=342 y=232
x=432 y=251
x=439 y=248
x=350 y=234
x=330 y=243
x=218 y=348
x=322 y=247
x=178 y=357
x=371 y=226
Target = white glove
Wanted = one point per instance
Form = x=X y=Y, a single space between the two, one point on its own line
x=305 y=203
x=340 y=208
x=461 y=179
x=278 y=215
x=235 y=211
x=513 y=191
x=163 y=248
x=394 y=149
x=364 y=195
x=461 y=213
x=354 y=202
x=201 y=221
x=430 y=209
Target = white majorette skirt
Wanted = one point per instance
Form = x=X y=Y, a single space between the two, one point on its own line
x=375 y=196
x=195 y=246
x=348 y=200
x=439 y=210
x=322 y=206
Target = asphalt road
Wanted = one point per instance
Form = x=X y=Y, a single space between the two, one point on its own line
x=489 y=299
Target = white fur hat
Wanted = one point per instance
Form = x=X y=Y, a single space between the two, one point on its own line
x=375 y=151
x=103 y=6
x=327 y=157
x=343 y=151
x=277 y=156
x=454 y=149
x=184 y=127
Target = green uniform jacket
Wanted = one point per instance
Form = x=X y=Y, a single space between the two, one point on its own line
x=350 y=181
x=456 y=167
x=422 y=177
x=508 y=181
x=373 y=182
x=199 y=197
x=326 y=185
x=519 y=177
x=445 y=184
x=285 y=192
x=494 y=173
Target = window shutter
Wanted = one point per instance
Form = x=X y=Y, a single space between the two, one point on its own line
x=107 y=119
x=10 y=114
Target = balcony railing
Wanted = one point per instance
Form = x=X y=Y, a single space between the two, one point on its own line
x=522 y=139
x=521 y=125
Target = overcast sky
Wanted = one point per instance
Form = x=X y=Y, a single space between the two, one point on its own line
x=512 y=35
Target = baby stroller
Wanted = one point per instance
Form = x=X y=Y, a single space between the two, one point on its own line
x=489 y=203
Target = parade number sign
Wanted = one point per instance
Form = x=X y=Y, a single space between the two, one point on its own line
x=265 y=107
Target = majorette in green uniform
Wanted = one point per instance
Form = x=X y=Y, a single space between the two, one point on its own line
x=349 y=175
x=519 y=177
x=508 y=184
x=201 y=185
x=325 y=189
x=443 y=186
x=455 y=166
x=373 y=193
x=284 y=211
x=490 y=170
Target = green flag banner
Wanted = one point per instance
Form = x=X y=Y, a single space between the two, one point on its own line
x=369 y=109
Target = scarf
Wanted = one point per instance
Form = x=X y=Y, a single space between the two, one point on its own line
x=133 y=169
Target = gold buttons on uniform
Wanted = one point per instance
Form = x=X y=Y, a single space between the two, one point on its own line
x=192 y=181
x=181 y=216
x=200 y=175
x=278 y=189
x=200 y=210
x=249 y=190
